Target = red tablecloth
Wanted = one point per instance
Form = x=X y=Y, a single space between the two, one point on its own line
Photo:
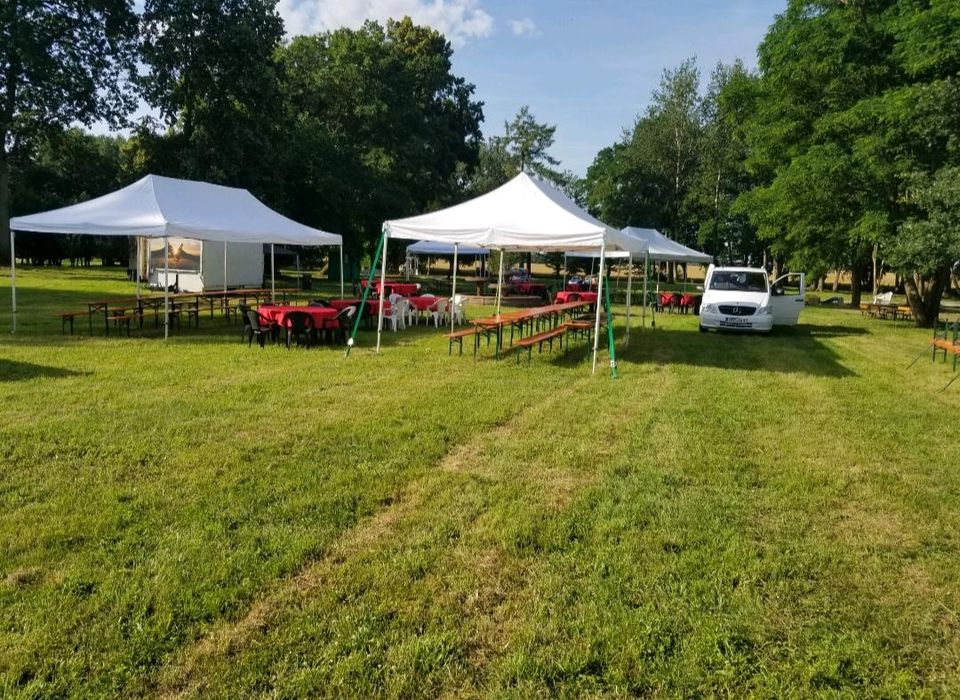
x=529 y=287
x=322 y=316
x=564 y=297
x=422 y=303
x=401 y=288
x=373 y=305
x=579 y=286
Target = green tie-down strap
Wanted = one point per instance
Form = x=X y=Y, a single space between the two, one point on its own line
x=366 y=292
x=613 y=354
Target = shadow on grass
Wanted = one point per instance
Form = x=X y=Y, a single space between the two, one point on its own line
x=13 y=371
x=788 y=350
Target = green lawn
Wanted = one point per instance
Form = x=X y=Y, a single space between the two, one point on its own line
x=734 y=515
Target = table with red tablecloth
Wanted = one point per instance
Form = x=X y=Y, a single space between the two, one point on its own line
x=530 y=288
x=579 y=286
x=564 y=297
x=373 y=305
x=322 y=316
x=402 y=288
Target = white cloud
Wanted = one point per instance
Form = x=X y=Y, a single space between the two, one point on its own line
x=459 y=20
x=524 y=27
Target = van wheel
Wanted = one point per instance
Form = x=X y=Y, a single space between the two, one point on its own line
x=703 y=328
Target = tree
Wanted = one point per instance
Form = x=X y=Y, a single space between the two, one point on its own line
x=722 y=176
x=819 y=197
x=380 y=127
x=929 y=242
x=60 y=63
x=212 y=75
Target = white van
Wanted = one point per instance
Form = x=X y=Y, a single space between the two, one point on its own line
x=742 y=298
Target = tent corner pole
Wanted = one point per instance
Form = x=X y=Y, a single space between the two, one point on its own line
x=596 y=329
x=629 y=291
x=13 y=280
x=273 y=274
x=166 y=288
x=341 y=269
x=224 y=277
x=453 y=291
x=500 y=283
x=643 y=306
x=383 y=285
x=138 y=269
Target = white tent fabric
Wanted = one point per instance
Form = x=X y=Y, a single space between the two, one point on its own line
x=435 y=248
x=524 y=214
x=662 y=249
x=158 y=207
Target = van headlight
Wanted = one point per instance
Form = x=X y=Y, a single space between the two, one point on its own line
x=765 y=311
x=709 y=309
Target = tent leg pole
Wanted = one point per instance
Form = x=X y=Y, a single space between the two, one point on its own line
x=629 y=290
x=341 y=270
x=366 y=291
x=138 y=270
x=500 y=283
x=453 y=292
x=383 y=285
x=564 y=271
x=224 y=277
x=13 y=280
x=166 y=288
x=596 y=329
x=273 y=275
x=646 y=270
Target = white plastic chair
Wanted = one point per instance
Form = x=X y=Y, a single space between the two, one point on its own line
x=456 y=308
x=438 y=312
x=398 y=315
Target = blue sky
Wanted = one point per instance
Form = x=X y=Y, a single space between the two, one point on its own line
x=587 y=66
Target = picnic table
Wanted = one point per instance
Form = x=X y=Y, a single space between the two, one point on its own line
x=567 y=295
x=401 y=288
x=322 y=316
x=522 y=319
x=530 y=288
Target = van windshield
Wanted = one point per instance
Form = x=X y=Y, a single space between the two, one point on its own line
x=730 y=281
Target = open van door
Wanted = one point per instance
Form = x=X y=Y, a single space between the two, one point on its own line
x=788 y=294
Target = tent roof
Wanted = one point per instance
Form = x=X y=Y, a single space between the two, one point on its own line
x=661 y=248
x=523 y=214
x=158 y=206
x=435 y=248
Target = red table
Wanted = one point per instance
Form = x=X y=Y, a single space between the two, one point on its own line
x=564 y=297
x=422 y=303
x=402 y=288
x=579 y=286
x=530 y=288
x=373 y=305
x=322 y=316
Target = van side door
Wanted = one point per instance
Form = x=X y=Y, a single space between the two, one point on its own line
x=788 y=294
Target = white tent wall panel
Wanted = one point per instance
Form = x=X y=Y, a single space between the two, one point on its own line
x=245 y=267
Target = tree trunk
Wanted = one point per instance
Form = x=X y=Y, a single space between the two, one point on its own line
x=924 y=293
x=856 y=285
x=836 y=280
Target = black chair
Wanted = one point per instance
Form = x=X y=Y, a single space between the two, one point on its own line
x=244 y=312
x=343 y=319
x=299 y=325
x=319 y=302
x=259 y=328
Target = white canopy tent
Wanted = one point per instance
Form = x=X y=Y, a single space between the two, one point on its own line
x=661 y=249
x=523 y=214
x=161 y=207
x=435 y=248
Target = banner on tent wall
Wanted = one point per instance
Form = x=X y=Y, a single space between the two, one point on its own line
x=184 y=254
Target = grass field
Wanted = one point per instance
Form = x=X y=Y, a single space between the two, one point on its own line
x=734 y=515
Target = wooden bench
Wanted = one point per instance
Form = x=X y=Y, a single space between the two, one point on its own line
x=581 y=327
x=66 y=318
x=539 y=339
x=946 y=341
x=123 y=320
x=458 y=336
